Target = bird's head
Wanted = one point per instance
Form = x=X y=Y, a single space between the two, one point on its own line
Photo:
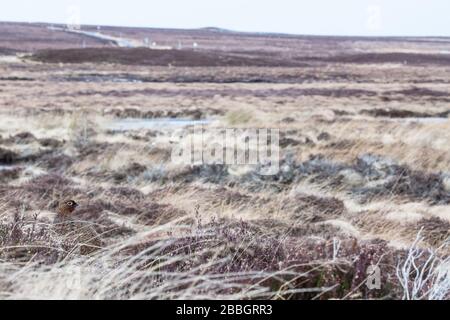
x=67 y=207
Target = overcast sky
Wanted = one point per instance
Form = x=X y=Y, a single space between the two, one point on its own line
x=319 y=17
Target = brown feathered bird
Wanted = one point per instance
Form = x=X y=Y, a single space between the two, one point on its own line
x=79 y=232
x=65 y=208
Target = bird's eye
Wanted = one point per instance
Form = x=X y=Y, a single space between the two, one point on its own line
x=70 y=203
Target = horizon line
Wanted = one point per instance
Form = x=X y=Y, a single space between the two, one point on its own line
x=227 y=30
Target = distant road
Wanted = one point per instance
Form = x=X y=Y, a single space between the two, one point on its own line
x=120 y=42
